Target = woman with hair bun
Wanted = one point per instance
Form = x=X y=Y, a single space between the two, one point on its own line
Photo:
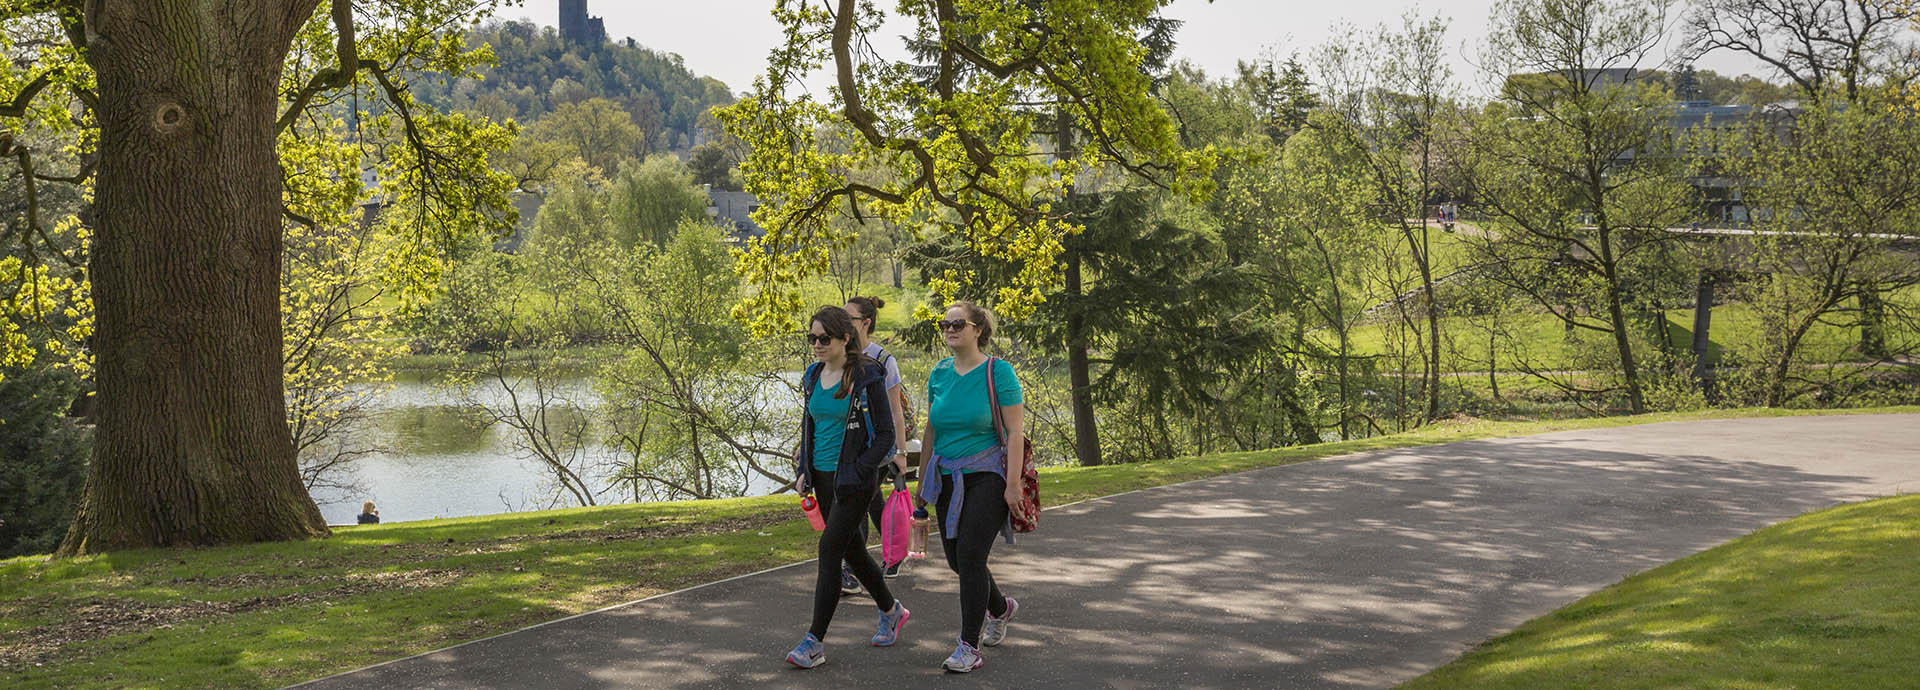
x=866 y=314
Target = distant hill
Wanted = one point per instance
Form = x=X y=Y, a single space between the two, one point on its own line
x=537 y=71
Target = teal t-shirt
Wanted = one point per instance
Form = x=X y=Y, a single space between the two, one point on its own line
x=829 y=425
x=957 y=406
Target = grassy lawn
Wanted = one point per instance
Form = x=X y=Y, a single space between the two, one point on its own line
x=1543 y=338
x=1825 y=600
x=272 y=614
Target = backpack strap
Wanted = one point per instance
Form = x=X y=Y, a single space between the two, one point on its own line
x=807 y=381
x=993 y=401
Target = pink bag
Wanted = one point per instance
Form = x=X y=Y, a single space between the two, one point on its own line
x=896 y=527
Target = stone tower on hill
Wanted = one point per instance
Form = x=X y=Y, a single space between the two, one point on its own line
x=579 y=29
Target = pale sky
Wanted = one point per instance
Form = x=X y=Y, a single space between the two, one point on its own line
x=729 y=39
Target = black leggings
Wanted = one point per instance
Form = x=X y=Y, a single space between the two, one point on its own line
x=982 y=513
x=843 y=542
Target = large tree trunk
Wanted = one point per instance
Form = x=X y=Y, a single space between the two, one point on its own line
x=1086 y=436
x=192 y=445
x=1086 y=433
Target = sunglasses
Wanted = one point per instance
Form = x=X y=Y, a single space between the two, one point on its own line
x=819 y=339
x=954 y=325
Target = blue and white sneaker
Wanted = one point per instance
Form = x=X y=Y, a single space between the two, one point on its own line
x=995 y=629
x=811 y=652
x=849 y=585
x=964 y=660
x=890 y=625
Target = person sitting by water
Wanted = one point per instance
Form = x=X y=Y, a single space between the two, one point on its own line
x=369 y=515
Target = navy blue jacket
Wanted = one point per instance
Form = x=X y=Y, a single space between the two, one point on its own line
x=868 y=439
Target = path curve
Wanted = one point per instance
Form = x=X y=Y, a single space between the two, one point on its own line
x=1360 y=571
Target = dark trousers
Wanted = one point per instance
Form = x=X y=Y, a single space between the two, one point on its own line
x=877 y=508
x=843 y=542
x=982 y=513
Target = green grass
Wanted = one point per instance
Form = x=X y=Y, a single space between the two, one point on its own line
x=266 y=615
x=1826 y=600
x=1543 y=337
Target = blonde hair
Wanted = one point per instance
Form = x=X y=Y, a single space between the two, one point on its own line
x=367 y=507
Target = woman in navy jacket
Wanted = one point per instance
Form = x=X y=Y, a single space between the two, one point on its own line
x=846 y=433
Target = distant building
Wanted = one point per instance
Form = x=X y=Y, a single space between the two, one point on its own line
x=1723 y=199
x=579 y=29
x=1693 y=119
x=732 y=211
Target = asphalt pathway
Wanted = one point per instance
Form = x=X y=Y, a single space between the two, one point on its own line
x=1354 y=572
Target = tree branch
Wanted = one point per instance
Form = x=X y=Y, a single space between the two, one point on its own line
x=330 y=77
x=18 y=107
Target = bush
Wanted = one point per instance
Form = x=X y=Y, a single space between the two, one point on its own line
x=43 y=459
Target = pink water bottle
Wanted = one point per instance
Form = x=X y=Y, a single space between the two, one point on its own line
x=922 y=525
x=812 y=509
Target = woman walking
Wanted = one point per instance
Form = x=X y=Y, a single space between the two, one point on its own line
x=965 y=474
x=846 y=433
x=865 y=312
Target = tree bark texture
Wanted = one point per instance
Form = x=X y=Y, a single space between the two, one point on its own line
x=1086 y=432
x=1086 y=436
x=192 y=445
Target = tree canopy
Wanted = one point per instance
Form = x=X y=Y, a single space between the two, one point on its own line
x=949 y=144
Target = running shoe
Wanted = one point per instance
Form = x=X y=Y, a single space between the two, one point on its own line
x=890 y=624
x=848 y=583
x=964 y=660
x=995 y=628
x=894 y=570
x=811 y=652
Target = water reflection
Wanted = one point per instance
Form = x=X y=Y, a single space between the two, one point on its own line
x=440 y=458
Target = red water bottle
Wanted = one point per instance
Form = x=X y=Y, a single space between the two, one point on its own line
x=812 y=509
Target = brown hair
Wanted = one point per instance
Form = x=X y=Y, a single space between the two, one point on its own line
x=981 y=318
x=839 y=324
x=869 y=310
x=367 y=507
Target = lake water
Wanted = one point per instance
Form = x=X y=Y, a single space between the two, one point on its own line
x=439 y=459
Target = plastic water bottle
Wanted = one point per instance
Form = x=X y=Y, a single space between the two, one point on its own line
x=812 y=509
x=922 y=526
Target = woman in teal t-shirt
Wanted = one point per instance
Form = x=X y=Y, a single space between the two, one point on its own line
x=846 y=433
x=965 y=475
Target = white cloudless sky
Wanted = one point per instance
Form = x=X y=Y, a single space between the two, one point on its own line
x=729 y=39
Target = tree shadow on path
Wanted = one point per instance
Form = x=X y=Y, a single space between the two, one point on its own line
x=1361 y=571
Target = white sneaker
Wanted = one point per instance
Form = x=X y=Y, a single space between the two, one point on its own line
x=995 y=629
x=964 y=660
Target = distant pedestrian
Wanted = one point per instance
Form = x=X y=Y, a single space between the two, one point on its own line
x=965 y=473
x=369 y=515
x=846 y=434
x=866 y=312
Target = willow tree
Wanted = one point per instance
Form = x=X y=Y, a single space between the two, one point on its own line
x=952 y=144
x=180 y=111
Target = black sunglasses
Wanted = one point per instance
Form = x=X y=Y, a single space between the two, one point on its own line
x=819 y=339
x=954 y=325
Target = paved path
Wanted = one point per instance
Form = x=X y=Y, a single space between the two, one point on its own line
x=1354 y=572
